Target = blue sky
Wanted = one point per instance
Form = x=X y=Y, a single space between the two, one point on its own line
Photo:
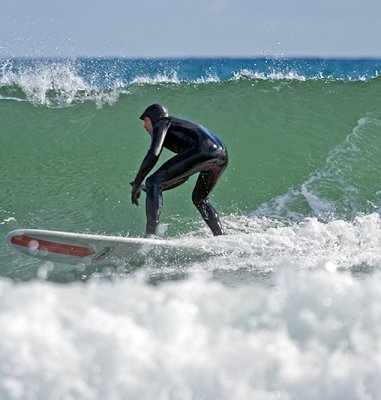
x=177 y=28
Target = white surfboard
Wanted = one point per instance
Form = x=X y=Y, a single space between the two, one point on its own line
x=89 y=249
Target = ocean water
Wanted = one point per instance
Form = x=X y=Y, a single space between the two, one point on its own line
x=290 y=305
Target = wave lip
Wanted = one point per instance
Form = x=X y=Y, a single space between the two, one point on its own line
x=39 y=82
x=54 y=84
x=62 y=82
x=274 y=76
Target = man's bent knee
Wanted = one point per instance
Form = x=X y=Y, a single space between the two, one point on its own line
x=197 y=199
x=152 y=182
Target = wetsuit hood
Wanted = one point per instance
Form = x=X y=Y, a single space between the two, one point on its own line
x=155 y=112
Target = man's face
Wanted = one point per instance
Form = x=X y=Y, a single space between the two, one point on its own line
x=148 y=125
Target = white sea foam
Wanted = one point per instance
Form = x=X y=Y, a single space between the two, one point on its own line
x=357 y=153
x=335 y=191
x=56 y=84
x=274 y=75
x=172 y=77
x=7 y=217
x=267 y=245
x=166 y=77
x=309 y=332
x=310 y=336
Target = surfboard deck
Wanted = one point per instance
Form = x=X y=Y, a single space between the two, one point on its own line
x=90 y=249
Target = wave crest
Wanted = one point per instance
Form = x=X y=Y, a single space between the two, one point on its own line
x=53 y=84
x=62 y=82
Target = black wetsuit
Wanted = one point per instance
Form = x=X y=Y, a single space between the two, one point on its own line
x=198 y=150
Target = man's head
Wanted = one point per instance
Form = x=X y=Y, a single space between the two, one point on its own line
x=154 y=112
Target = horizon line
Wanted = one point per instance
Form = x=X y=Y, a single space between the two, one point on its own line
x=199 y=57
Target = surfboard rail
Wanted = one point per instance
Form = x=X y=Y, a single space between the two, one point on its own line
x=92 y=249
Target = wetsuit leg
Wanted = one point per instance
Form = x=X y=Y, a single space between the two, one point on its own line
x=154 y=203
x=171 y=174
x=204 y=185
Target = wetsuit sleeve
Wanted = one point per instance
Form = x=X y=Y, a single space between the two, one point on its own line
x=153 y=154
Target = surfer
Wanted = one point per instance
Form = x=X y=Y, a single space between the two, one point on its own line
x=197 y=151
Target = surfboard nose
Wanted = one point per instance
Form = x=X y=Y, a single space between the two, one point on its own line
x=38 y=245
